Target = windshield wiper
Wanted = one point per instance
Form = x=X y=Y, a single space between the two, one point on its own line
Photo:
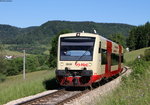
x=83 y=54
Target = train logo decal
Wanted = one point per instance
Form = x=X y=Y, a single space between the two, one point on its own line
x=81 y=64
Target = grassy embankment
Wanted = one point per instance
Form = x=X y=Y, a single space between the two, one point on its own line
x=131 y=56
x=12 y=53
x=20 y=53
x=15 y=87
x=134 y=89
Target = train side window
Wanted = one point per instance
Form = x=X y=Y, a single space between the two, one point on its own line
x=104 y=56
x=122 y=58
x=114 y=59
x=99 y=50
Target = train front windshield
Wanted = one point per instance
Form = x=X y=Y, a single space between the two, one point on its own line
x=76 y=48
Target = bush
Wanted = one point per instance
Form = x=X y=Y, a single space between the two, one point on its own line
x=139 y=67
x=43 y=67
x=147 y=54
x=42 y=59
x=2 y=77
x=14 y=66
x=33 y=63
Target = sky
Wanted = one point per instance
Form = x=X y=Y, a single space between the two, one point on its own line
x=25 y=13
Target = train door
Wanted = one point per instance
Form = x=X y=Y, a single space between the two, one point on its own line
x=109 y=61
x=108 y=66
x=120 y=57
x=103 y=60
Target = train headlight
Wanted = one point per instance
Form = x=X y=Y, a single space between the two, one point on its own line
x=61 y=63
x=90 y=64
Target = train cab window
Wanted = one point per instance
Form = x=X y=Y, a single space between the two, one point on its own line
x=114 y=59
x=104 y=56
x=77 y=53
x=77 y=48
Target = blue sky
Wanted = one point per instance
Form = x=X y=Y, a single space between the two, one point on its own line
x=25 y=13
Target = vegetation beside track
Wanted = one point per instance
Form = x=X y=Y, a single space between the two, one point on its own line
x=131 y=56
x=15 y=87
x=134 y=89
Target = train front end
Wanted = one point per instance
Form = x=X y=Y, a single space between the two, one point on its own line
x=75 y=62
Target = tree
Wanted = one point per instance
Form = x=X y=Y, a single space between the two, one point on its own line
x=53 y=50
x=131 y=40
x=118 y=38
x=147 y=54
x=139 y=37
x=2 y=64
x=32 y=63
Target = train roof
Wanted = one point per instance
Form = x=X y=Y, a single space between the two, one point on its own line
x=86 y=34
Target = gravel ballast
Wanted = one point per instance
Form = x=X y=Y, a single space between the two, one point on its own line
x=15 y=102
x=90 y=97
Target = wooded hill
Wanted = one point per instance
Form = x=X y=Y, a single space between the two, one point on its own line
x=42 y=34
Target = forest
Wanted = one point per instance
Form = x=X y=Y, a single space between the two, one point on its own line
x=42 y=34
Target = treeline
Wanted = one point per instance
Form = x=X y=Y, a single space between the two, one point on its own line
x=33 y=63
x=9 y=67
x=30 y=48
x=118 y=38
x=42 y=34
x=139 y=37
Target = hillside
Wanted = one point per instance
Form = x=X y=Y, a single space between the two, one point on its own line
x=9 y=34
x=42 y=34
x=131 y=56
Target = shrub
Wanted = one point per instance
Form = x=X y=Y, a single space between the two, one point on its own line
x=139 y=67
x=14 y=66
x=33 y=63
x=2 y=77
x=43 y=67
x=147 y=54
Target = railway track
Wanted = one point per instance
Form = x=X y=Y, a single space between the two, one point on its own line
x=61 y=96
x=56 y=98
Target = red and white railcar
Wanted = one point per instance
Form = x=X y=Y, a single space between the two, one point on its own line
x=85 y=58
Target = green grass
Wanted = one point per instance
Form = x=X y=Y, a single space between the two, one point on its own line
x=13 y=53
x=135 y=89
x=131 y=56
x=46 y=52
x=47 y=49
x=16 y=53
x=15 y=87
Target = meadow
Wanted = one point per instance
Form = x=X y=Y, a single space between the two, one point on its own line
x=134 y=90
x=15 y=87
x=13 y=53
x=131 y=56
